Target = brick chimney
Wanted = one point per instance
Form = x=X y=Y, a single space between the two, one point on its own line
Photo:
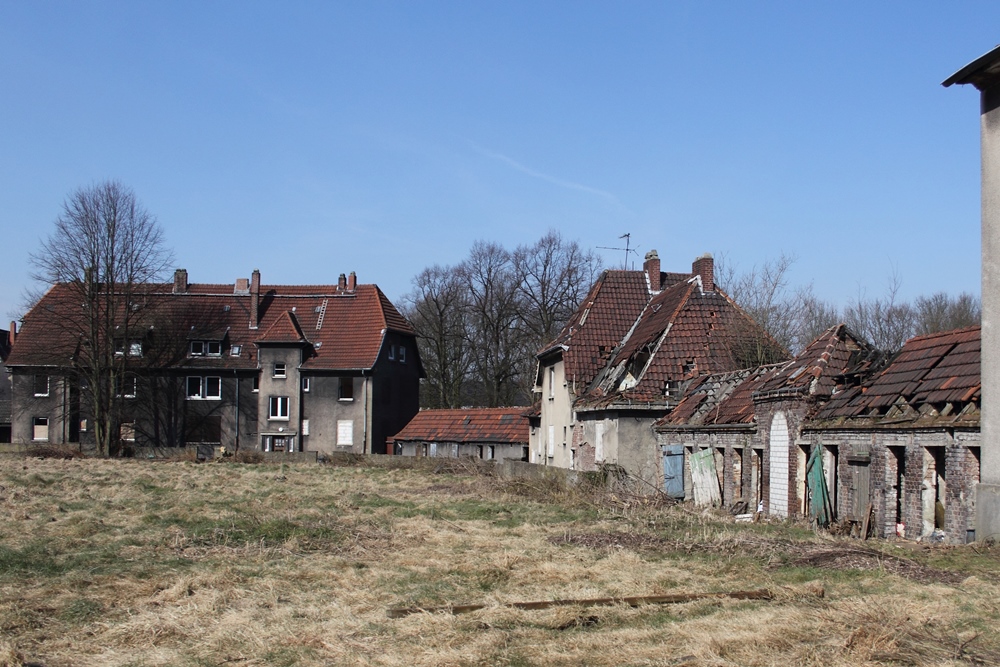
x=352 y=281
x=12 y=334
x=254 y=298
x=242 y=286
x=341 y=283
x=652 y=268
x=704 y=266
x=180 y=281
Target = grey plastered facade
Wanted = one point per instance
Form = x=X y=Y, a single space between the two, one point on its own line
x=984 y=74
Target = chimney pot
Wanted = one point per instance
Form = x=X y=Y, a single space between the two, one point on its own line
x=652 y=268
x=704 y=266
x=180 y=281
x=254 y=298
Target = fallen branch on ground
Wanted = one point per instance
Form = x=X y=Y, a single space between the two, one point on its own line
x=762 y=594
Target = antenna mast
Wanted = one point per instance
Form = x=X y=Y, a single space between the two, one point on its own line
x=628 y=249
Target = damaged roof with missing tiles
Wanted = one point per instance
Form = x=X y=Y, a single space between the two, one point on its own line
x=728 y=398
x=341 y=329
x=684 y=332
x=933 y=379
x=599 y=324
x=507 y=426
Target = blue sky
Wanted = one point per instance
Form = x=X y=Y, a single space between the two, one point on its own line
x=313 y=139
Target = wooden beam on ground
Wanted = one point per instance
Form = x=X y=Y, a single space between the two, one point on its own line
x=636 y=601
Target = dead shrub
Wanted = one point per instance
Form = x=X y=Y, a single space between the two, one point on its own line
x=248 y=456
x=53 y=451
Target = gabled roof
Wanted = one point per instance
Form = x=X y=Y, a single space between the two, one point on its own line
x=685 y=331
x=600 y=323
x=474 y=425
x=931 y=380
x=284 y=330
x=345 y=327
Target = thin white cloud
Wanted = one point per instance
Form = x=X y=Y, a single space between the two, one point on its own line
x=545 y=177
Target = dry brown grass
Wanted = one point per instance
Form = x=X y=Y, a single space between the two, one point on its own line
x=177 y=563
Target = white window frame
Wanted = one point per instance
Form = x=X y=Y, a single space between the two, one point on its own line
x=255 y=387
x=218 y=348
x=125 y=386
x=200 y=352
x=235 y=350
x=552 y=382
x=40 y=423
x=282 y=373
x=202 y=393
x=306 y=382
x=277 y=408
x=345 y=381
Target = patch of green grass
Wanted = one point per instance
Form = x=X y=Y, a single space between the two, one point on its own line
x=81 y=610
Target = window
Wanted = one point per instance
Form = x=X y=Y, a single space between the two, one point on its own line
x=552 y=381
x=135 y=348
x=279 y=370
x=305 y=384
x=41 y=385
x=204 y=387
x=127 y=432
x=305 y=427
x=256 y=383
x=277 y=407
x=211 y=348
x=346 y=389
x=345 y=432
x=392 y=353
x=235 y=350
x=40 y=428
x=402 y=354
x=125 y=386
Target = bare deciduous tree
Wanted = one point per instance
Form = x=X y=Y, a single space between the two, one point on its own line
x=886 y=321
x=437 y=308
x=941 y=312
x=106 y=251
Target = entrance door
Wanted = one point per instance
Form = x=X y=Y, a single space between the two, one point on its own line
x=673 y=470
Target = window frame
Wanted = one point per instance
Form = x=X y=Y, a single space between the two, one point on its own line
x=201 y=348
x=274 y=408
x=346 y=396
x=36 y=422
x=283 y=373
x=35 y=383
x=203 y=388
x=306 y=384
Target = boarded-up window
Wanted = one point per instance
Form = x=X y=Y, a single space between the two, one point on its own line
x=599 y=442
x=205 y=429
x=40 y=428
x=345 y=432
x=552 y=441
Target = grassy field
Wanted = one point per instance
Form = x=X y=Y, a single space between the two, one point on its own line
x=177 y=563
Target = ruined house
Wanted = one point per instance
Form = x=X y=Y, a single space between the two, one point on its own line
x=842 y=432
x=624 y=359
x=488 y=434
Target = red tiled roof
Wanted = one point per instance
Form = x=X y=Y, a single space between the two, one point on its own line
x=684 y=332
x=928 y=372
x=728 y=398
x=603 y=319
x=495 y=425
x=346 y=329
x=284 y=330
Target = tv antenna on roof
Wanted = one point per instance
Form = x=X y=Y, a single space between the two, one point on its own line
x=628 y=249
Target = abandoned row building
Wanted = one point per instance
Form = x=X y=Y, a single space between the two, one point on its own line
x=266 y=367
x=663 y=376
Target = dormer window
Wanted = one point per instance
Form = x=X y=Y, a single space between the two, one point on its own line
x=134 y=348
x=206 y=348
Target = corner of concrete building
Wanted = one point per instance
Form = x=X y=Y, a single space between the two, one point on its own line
x=987 y=512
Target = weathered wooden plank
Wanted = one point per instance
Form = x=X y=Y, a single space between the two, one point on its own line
x=633 y=601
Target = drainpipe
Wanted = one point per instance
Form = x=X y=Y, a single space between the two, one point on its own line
x=236 y=375
x=366 y=449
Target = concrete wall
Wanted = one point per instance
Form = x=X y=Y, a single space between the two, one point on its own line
x=289 y=386
x=56 y=407
x=484 y=451
x=556 y=418
x=323 y=408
